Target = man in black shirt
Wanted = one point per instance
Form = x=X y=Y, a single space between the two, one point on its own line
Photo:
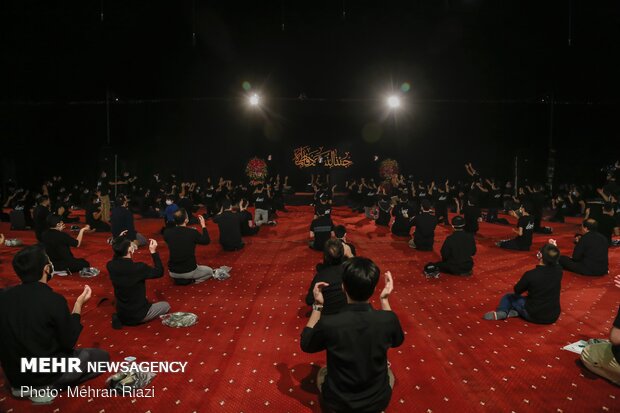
x=472 y=215
x=321 y=229
x=93 y=216
x=340 y=232
x=128 y=278
x=543 y=285
x=590 y=256
x=403 y=216
x=182 y=243
x=36 y=322
x=524 y=231
x=330 y=272
x=607 y=224
x=425 y=223
x=457 y=252
x=229 y=224
x=248 y=227
x=39 y=216
x=122 y=220
x=604 y=358
x=357 y=377
x=58 y=245
x=261 y=205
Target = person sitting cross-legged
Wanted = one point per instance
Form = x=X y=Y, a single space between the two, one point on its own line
x=321 y=229
x=182 y=242
x=330 y=271
x=356 y=339
x=457 y=252
x=542 y=284
x=58 y=245
x=229 y=223
x=604 y=358
x=590 y=256
x=36 y=322
x=128 y=278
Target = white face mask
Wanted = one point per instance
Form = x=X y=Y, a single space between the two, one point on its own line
x=168 y=202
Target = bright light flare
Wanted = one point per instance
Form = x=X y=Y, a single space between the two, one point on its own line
x=254 y=100
x=393 y=102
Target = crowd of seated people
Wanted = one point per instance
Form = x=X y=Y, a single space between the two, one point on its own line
x=343 y=283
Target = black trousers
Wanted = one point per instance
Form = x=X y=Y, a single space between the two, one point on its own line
x=577 y=267
x=85 y=355
x=513 y=244
x=452 y=268
x=73 y=265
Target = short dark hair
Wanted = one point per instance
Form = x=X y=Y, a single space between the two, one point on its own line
x=426 y=204
x=360 y=277
x=180 y=216
x=120 y=246
x=53 y=220
x=608 y=207
x=333 y=252
x=42 y=198
x=340 y=231
x=590 y=224
x=226 y=204
x=29 y=263
x=550 y=254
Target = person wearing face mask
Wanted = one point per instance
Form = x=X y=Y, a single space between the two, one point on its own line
x=128 y=278
x=542 y=284
x=94 y=217
x=58 y=245
x=524 y=231
x=103 y=190
x=171 y=209
x=35 y=322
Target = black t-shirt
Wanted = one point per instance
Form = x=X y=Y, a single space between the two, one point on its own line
x=39 y=218
x=471 y=213
x=334 y=297
x=527 y=223
x=402 y=219
x=616 y=349
x=35 y=322
x=261 y=201
x=322 y=228
x=90 y=211
x=384 y=212
x=543 y=285
x=58 y=245
x=424 y=235
x=244 y=222
x=128 y=279
x=182 y=245
x=458 y=250
x=103 y=186
x=229 y=224
x=356 y=341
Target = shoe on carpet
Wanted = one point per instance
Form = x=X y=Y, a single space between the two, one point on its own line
x=512 y=314
x=116 y=322
x=495 y=315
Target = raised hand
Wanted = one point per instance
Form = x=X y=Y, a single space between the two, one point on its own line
x=317 y=291
x=201 y=219
x=152 y=246
x=389 y=286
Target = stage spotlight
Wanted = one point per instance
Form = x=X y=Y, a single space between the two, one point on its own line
x=393 y=102
x=254 y=100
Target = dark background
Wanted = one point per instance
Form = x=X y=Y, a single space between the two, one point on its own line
x=482 y=76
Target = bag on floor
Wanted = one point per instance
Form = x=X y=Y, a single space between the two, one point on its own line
x=179 y=319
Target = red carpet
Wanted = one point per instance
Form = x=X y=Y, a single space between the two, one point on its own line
x=244 y=352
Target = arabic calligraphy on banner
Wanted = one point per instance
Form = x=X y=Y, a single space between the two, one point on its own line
x=306 y=157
